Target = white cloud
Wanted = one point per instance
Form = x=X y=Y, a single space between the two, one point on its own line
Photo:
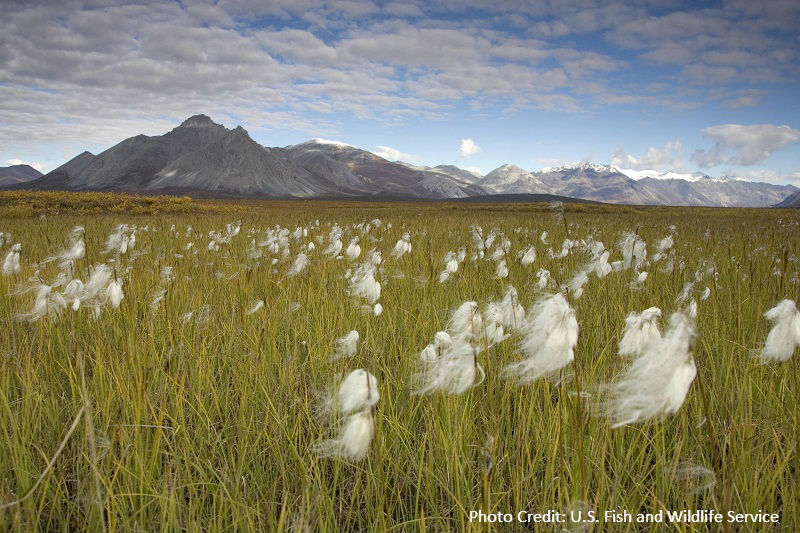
x=468 y=148
x=667 y=158
x=392 y=154
x=37 y=166
x=738 y=144
x=474 y=170
x=768 y=176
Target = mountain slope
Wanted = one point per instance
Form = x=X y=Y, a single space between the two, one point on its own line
x=371 y=174
x=510 y=179
x=791 y=201
x=200 y=156
x=16 y=174
x=609 y=184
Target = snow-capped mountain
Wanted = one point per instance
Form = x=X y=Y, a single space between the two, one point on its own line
x=606 y=183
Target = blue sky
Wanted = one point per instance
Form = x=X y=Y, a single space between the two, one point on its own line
x=681 y=86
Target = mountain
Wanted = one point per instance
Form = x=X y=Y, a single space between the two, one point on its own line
x=510 y=179
x=791 y=201
x=467 y=176
x=367 y=173
x=18 y=174
x=592 y=182
x=604 y=183
x=203 y=157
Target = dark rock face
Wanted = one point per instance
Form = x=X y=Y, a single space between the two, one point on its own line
x=200 y=156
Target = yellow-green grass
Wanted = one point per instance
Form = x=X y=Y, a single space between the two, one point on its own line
x=211 y=425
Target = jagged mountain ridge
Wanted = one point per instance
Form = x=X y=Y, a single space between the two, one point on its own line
x=604 y=183
x=203 y=156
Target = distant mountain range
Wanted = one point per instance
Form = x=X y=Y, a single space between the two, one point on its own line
x=200 y=157
x=16 y=174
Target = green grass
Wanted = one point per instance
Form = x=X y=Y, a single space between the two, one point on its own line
x=209 y=425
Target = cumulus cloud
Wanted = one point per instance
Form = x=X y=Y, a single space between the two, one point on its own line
x=392 y=154
x=38 y=166
x=738 y=144
x=85 y=71
x=468 y=148
x=667 y=158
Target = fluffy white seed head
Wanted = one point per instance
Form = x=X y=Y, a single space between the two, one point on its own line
x=11 y=264
x=347 y=345
x=548 y=339
x=501 y=272
x=527 y=256
x=785 y=333
x=299 y=265
x=542 y=278
x=358 y=391
x=353 y=441
x=640 y=330
x=657 y=381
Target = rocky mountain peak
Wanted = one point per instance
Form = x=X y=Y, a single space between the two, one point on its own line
x=198 y=121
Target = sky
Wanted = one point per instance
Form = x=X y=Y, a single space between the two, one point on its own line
x=711 y=87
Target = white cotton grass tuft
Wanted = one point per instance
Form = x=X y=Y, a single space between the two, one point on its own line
x=640 y=330
x=299 y=265
x=75 y=251
x=353 y=249
x=638 y=281
x=501 y=272
x=347 y=345
x=634 y=250
x=657 y=382
x=451 y=365
x=784 y=335
x=542 y=279
x=364 y=285
x=548 y=339
x=356 y=398
x=114 y=294
x=11 y=262
x=357 y=392
x=258 y=305
x=352 y=443
x=402 y=247
x=334 y=248
x=450 y=267
x=527 y=256
x=512 y=314
x=493 y=329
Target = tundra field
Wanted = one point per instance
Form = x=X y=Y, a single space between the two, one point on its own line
x=157 y=394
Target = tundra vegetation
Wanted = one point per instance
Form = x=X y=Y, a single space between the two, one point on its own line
x=331 y=366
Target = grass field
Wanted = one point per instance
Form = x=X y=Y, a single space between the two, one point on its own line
x=209 y=421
